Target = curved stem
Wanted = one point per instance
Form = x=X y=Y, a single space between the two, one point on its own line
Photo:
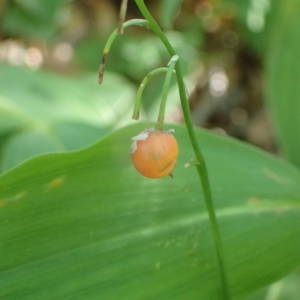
x=201 y=166
x=110 y=41
x=139 y=94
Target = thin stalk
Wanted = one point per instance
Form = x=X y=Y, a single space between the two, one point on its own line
x=140 y=91
x=201 y=166
x=122 y=16
x=165 y=92
x=110 y=41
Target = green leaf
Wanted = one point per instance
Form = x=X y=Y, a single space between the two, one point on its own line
x=64 y=136
x=43 y=97
x=283 y=73
x=56 y=113
x=25 y=145
x=77 y=135
x=86 y=225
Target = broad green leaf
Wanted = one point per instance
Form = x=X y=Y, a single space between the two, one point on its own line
x=86 y=225
x=25 y=145
x=68 y=113
x=64 y=136
x=11 y=116
x=46 y=98
x=75 y=135
x=283 y=73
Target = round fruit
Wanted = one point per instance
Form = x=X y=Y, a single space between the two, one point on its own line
x=154 y=153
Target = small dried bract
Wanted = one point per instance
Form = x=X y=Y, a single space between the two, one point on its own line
x=154 y=153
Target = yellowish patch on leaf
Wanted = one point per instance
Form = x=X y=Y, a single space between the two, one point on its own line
x=55 y=183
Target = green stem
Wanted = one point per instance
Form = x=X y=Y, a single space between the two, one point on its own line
x=165 y=92
x=110 y=41
x=122 y=16
x=139 y=94
x=201 y=166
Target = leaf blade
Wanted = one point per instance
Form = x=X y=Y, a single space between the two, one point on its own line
x=92 y=227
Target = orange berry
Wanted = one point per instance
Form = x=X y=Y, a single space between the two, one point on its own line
x=154 y=153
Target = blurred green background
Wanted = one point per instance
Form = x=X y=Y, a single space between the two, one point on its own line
x=239 y=65
x=50 y=53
